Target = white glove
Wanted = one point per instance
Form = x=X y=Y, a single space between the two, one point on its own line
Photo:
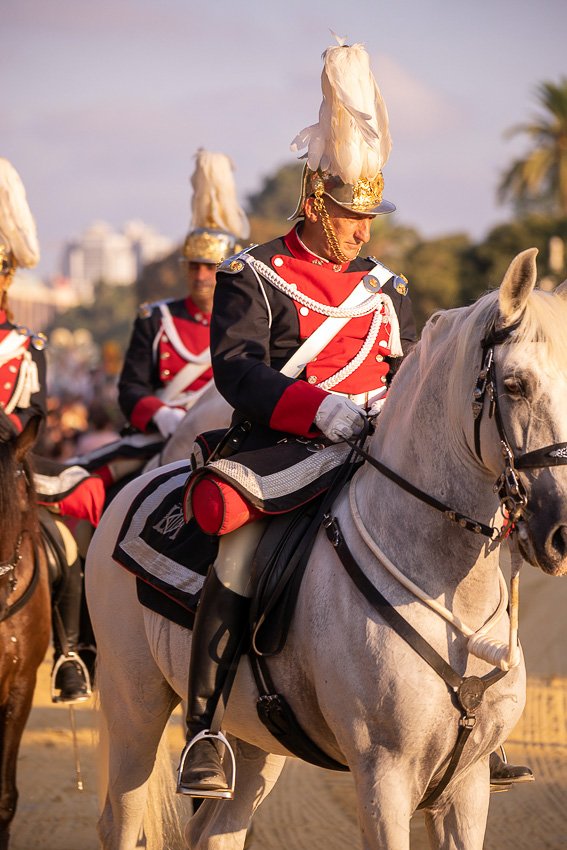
x=339 y=418
x=167 y=419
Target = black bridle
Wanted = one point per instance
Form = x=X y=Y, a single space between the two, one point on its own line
x=509 y=486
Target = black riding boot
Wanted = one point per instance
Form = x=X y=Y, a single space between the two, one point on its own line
x=221 y=620
x=70 y=675
x=504 y=774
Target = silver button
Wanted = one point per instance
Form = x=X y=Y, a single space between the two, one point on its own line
x=304 y=311
x=383 y=343
x=312 y=379
x=278 y=261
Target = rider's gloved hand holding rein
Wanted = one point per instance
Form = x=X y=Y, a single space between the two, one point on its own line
x=338 y=418
x=167 y=419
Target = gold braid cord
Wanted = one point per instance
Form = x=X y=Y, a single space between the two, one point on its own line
x=326 y=222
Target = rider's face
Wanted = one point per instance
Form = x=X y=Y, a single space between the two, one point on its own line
x=201 y=279
x=351 y=229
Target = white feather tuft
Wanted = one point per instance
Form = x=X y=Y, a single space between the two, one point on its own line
x=215 y=203
x=17 y=226
x=352 y=137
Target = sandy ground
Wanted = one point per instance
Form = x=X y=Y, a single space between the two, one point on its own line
x=312 y=808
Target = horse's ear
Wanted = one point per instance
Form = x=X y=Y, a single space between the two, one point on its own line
x=561 y=290
x=27 y=437
x=517 y=285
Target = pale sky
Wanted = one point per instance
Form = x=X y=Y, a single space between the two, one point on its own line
x=105 y=103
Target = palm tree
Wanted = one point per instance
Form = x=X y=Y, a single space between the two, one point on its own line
x=540 y=178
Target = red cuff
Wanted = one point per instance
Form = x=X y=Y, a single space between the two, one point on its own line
x=86 y=501
x=143 y=411
x=296 y=409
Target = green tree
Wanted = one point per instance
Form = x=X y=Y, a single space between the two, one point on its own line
x=539 y=180
x=435 y=269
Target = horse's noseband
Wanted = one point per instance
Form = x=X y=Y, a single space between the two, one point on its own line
x=509 y=486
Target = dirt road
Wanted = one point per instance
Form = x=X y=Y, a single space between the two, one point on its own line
x=312 y=808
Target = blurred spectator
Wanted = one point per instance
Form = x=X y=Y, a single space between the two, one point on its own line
x=100 y=432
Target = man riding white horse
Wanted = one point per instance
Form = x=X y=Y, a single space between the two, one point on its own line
x=167 y=367
x=66 y=491
x=305 y=338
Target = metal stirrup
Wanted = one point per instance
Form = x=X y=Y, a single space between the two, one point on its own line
x=219 y=794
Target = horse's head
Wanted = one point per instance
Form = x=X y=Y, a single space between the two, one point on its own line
x=520 y=407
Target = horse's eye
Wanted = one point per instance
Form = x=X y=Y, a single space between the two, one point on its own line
x=515 y=387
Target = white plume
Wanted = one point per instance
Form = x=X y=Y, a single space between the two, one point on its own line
x=17 y=225
x=215 y=203
x=351 y=139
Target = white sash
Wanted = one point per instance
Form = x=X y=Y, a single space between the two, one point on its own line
x=328 y=330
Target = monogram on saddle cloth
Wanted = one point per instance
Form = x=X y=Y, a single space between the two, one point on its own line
x=348 y=329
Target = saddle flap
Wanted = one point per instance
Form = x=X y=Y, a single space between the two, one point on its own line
x=277 y=570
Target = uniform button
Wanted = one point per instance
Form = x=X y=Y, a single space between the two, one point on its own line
x=164 y=338
x=379 y=358
x=304 y=311
x=165 y=373
x=165 y=354
x=383 y=379
x=278 y=262
x=13 y=368
x=312 y=379
x=199 y=316
x=337 y=268
x=383 y=343
x=7 y=386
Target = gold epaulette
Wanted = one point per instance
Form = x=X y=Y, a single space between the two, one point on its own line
x=37 y=340
x=146 y=309
x=399 y=282
x=233 y=265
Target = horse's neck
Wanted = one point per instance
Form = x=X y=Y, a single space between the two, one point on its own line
x=414 y=438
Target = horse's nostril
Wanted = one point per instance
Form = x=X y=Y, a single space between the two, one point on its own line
x=559 y=541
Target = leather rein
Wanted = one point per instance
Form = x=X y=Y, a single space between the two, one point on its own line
x=466 y=691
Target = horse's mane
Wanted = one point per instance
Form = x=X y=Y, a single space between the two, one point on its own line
x=10 y=513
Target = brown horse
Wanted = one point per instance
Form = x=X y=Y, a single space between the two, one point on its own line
x=25 y=606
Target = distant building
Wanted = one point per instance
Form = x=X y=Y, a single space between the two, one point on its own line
x=35 y=303
x=102 y=254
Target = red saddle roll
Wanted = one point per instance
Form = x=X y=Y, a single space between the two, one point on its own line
x=217 y=507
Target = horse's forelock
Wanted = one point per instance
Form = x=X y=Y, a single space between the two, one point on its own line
x=544 y=321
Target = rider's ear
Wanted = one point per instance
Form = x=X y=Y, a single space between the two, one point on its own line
x=517 y=285
x=561 y=289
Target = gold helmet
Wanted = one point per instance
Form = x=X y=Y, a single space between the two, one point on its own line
x=217 y=222
x=349 y=146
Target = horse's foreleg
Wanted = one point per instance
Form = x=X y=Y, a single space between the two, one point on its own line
x=13 y=717
x=222 y=825
x=460 y=823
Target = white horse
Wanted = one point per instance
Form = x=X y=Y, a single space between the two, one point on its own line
x=211 y=411
x=359 y=690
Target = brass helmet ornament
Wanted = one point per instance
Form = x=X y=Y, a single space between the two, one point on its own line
x=350 y=144
x=19 y=246
x=218 y=222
